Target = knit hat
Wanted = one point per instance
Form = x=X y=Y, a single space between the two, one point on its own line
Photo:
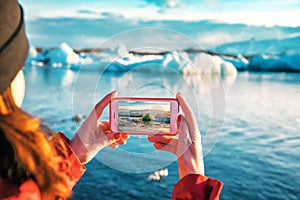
x=13 y=42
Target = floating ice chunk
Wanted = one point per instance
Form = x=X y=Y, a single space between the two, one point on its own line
x=210 y=65
x=130 y=60
x=35 y=63
x=122 y=49
x=32 y=52
x=62 y=56
x=33 y=57
x=163 y=172
x=207 y=64
x=153 y=177
x=86 y=60
x=156 y=176
x=240 y=63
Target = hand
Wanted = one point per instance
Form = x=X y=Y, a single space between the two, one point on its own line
x=93 y=136
x=187 y=147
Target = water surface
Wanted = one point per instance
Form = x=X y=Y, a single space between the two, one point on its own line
x=256 y=154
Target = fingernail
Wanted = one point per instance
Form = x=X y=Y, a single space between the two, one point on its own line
x=150 y=138
x=117 y=136
x=125 y=135
x=179 y=120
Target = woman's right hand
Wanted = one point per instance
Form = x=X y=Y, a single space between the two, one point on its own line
x=92 y=136
x=187 y=147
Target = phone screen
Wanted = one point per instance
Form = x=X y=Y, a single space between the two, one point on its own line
x=143 y=116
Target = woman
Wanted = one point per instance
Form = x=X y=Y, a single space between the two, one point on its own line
x=31 y=167
x=34 y=167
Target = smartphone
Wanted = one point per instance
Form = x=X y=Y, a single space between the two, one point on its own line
x=144 y=116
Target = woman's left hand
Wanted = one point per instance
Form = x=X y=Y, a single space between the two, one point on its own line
x=93 y=136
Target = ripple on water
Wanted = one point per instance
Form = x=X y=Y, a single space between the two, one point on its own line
x=235 y=133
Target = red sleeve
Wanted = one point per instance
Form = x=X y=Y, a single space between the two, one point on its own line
x=196 y=186
x=69 y=164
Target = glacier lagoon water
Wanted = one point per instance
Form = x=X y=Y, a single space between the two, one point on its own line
x=256 y=155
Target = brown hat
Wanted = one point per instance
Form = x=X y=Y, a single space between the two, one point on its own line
x=13 y=42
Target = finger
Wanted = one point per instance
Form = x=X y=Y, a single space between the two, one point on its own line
x=103 y=103
x=125 y=136
x=107 y=139
x=189 y=116
x=165 y=147
x=106 y=132
x=166 y=139
x=122 y=141
x=104 y=125
x=113 y=145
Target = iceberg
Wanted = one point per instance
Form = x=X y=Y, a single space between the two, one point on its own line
x=240 y=62
x=265 y=55
x=201 y=63
x=287 y=63
x=62 y=55
x=34 y=58
x=122 y=60
x=224 y=60
x=57 y=57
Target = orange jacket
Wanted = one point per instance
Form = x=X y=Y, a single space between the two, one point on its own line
x=193 y=186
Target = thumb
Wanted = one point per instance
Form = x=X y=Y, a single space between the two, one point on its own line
x=103 y=103
x=107 y=139
x=183 y=130
x=184 y=139
x=100 y=106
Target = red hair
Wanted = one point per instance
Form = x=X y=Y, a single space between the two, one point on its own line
x=26 y=151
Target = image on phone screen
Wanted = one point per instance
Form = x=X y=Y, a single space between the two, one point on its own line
x=143 y=116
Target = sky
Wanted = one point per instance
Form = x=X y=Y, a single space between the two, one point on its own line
x=105 y=18
x=254 y=12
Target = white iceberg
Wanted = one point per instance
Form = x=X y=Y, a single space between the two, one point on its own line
x=34 y=58
x=57 y=57
x=64 y=55
x=240 y=62
x=121 y=60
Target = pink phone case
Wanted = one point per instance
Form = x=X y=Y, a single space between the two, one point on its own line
x=144 y=116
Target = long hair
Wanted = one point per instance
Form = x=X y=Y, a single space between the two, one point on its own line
x=26 y=151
